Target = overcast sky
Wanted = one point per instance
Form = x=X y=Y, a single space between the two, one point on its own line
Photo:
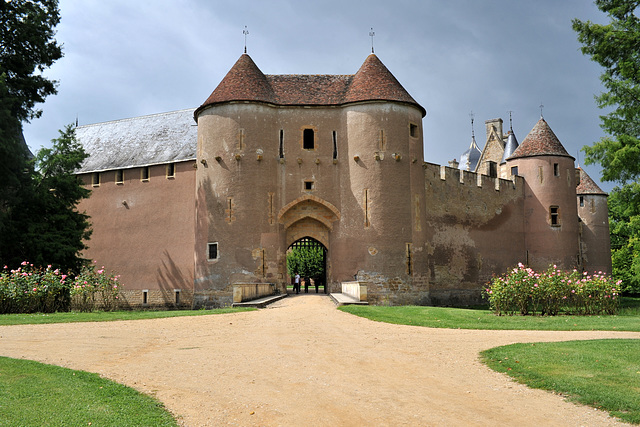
x=128 y=58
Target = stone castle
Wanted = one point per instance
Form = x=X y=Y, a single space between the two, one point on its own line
x=189 y=211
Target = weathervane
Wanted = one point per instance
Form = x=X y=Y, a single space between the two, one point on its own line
x=245 y=32
x=510 y=121
x=541 y=107
x=473 y=136
x=371 y=34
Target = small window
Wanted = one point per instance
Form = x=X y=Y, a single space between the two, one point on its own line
x=95 y=179
x=308 y=139
x=309 y=185
x=119 y=176
x=145 y=297
x=582 y=201
x=514 y=170
x=556 y=170
x=171 y=170
x=177 y=292
x=413 y=130
x=554 y=214
x=144 y=173
x=212 y=251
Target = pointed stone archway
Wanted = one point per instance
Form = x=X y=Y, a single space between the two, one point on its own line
x=309 y=217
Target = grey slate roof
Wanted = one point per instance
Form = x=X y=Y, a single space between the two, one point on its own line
x=139 y=141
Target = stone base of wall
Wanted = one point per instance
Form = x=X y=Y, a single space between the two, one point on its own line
x=457 y=297
x=249 y=291
x=208 y=299
x=157 y=299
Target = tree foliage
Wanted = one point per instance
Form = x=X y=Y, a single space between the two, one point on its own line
x=306 y=261
x=38 y=218
x=624 y=223
x=616 y=47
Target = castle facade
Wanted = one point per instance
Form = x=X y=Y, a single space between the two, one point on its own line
x=187 y=205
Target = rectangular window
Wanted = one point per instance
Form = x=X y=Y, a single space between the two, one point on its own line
x=145 y=297
x=144 y=173
x=365 y=203
x=413 y=130
x=554 y=216
x=308 y=185
x=582 y=201
x=556 y=170
x=308 y=139
x=212 y=251
x=119 y=176
x=409 y=260
x=171 y=170
x=177 y=293
x=514 y=170
x=95 y=179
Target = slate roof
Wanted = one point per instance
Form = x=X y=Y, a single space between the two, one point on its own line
x=139 y=141
x=471 y=156
x=541 y=141
x=510 y=146
x=372 y=82
x=587 y=185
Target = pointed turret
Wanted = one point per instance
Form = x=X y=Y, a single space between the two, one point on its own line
x=469 y=159
x=587 y=185
x=541 y=141
x=510 y=147
x=243 y=82
x=374 y=81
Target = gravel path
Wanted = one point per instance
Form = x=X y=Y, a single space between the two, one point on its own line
x=302 y=362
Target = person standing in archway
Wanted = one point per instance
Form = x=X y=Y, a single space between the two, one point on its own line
x=296 y=286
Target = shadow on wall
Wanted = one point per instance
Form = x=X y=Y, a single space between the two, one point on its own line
x=175 y=286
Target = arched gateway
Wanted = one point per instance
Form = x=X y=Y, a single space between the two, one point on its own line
x=308 y=220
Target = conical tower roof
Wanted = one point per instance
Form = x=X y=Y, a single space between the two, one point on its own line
x=374 y=81
x=541 y=141
x=587 y=185
x=469 y=159
x=510 y=147
x=243 y=82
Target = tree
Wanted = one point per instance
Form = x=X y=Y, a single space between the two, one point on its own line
x=38 y=217
x=616 y=47
x=306 y=261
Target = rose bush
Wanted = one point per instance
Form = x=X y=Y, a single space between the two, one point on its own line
x=30 y=289
x=524 y=291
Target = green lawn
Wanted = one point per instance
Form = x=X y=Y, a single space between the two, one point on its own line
x=628 y=318
x=106 y=316
x=604 y=374
x=33 y=394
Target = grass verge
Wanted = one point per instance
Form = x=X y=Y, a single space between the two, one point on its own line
x=628 y=318
x=107 y=316
x=600 y=373
x=32 y=393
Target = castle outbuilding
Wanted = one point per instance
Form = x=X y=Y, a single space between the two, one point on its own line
x=188 y=212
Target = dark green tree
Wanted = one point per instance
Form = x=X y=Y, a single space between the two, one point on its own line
x=306 y=261
x=616 y=47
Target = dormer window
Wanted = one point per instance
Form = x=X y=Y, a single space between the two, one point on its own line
x=308 y=139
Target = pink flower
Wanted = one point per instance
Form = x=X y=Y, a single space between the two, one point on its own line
x=35 y=289
x=24 y=263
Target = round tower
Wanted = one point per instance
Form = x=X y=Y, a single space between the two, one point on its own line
x=595 y=244
x=551 y=217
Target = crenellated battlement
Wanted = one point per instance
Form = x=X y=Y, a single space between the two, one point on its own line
x=470 y=180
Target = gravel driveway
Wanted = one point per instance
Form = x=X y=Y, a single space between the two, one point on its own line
x=302 y=362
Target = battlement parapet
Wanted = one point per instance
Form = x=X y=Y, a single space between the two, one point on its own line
x=471 y=179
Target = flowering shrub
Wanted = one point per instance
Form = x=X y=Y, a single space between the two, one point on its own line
x=524 y=291
x=30 y=289
x=92 y=284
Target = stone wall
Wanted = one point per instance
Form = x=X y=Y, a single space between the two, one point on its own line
x=475 y=230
